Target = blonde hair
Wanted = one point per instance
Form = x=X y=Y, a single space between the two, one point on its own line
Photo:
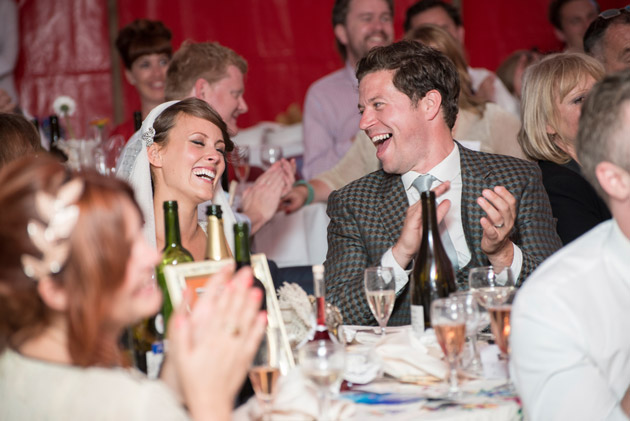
x=544 y=83
x=435 y=37
x=206 y=60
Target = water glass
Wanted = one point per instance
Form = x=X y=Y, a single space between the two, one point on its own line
x=269 y=155
x=323 y=363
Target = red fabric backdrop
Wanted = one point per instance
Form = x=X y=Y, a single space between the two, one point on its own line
x=288 y=44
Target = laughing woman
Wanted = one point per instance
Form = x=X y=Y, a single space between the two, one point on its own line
x=78 y=272
x=181 y=157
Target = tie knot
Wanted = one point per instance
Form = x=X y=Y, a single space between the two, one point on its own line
x=423 y=182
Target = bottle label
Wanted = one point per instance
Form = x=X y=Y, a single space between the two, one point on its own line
x=154 y=360
x=158 y=323
x=417 y=320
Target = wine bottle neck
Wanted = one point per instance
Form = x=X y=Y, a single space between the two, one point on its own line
x=216 y=248
x=172 y=237
x=241 y=245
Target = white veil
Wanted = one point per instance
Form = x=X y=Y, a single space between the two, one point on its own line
x=134 y=167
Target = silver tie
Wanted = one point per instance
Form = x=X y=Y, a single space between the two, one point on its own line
x=423 y=183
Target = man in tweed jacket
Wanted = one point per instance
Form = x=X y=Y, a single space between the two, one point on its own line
x=408 y=96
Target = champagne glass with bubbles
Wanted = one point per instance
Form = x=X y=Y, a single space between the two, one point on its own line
x=380 y=290
x=495 y=289
x=448 y=318
x=265 y=371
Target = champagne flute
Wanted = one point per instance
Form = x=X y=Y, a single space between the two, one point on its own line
x=495 y=290
x=323 y=362
x=473 y=320
x=269 y=155
x=448 y=318
x=240 y=160
x=380 y=289
x=265 y=371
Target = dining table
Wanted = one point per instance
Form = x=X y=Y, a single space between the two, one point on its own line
x=407 y=395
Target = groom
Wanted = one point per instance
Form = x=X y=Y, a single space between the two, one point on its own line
x=493 y=207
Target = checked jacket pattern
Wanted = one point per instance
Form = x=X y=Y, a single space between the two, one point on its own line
x=367 y=216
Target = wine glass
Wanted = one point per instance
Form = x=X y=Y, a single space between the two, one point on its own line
x=270 y=154
x=240 y=160
x=380 y=289
x=323 y=362
x=265 y=371
x=448 y=318
x=473 y=320
x=495 y=289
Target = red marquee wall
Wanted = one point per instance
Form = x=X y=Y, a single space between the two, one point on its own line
x=288 y=44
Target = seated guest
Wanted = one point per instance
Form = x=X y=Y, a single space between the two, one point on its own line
x=145 y=48
x=553 y=94
x=18 y=137
x=485 y=84
x=570 y=354
x=512 y=69
x=499 y=212
x=495 y=128
x=570 y=19
x=67 y=296
x=607 y=39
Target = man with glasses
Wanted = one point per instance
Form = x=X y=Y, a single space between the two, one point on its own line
x=570 y=348
x=608 y=39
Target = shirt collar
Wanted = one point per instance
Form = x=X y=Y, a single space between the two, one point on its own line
x=351 y=72
x=447 y=170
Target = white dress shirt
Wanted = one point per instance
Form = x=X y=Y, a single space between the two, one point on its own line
x=570 y=341
x=447 y=170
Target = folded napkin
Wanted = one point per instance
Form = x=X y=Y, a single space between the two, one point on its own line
x=296 y=400
x=404 y=355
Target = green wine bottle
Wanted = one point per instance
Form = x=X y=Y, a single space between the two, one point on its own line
x=242 y=255
x=173 y=254
x=433 y=276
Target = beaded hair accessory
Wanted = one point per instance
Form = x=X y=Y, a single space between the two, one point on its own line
x=59 y=215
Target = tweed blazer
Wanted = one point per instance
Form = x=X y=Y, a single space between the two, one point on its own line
x=367 y=216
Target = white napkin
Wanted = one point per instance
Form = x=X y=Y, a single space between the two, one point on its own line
x=296 y=400
x=405 y=355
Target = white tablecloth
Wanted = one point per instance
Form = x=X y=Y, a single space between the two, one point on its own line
x=297 y=239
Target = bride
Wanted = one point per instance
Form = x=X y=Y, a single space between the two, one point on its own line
x=180 y=156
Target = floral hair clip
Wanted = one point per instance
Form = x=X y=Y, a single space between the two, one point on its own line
x=147 y=136
x=59 y=214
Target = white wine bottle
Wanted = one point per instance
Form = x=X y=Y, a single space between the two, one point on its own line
x=433 y=276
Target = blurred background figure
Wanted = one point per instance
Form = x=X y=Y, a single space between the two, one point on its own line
x=608 y=37
x=18 y=137
x=145 y=48
x=512 y=69
x=9 y=48
x=486 y=86
x=553 y=93
x=570 y=19
x=331 y=119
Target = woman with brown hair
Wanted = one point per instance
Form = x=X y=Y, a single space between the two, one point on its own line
x=77 y=272
x=146 y=50
x=18 y=137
